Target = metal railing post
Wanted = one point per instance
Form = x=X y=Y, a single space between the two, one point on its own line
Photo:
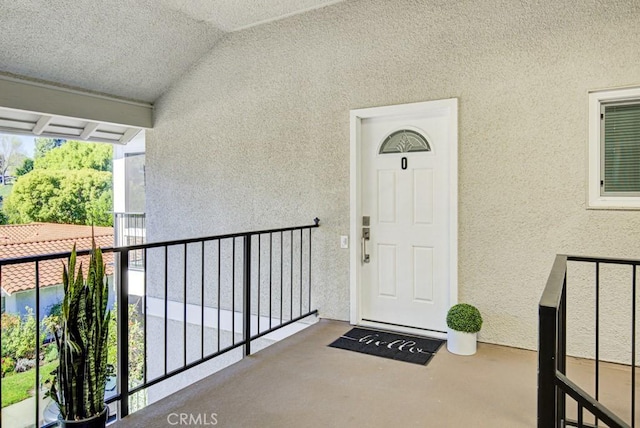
x=551 y=341
x=246 y=279
x=561 y=353
x=547 y=368
x=0 y=348
x=123 y=332
x=37 y=305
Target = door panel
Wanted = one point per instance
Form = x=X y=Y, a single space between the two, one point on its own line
x=406 y=196
x=387 y=279
x=423 y=196
x=387 y=196
x=423 y=274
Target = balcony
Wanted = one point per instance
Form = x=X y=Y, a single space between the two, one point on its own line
x=201 y=304
x=130 y=229
x=301 y=382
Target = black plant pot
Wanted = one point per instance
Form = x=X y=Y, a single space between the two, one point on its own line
x=98 y=421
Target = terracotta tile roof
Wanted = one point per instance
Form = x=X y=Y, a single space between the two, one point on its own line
x=36 y=239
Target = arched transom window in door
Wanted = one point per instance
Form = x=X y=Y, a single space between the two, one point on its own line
x=404 y=141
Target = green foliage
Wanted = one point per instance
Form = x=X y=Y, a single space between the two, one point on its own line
x=45 y=145
x=136 y=345
x=9 y=324
x=19 y=335
x=68 y=182
x=76 y=155
x=54 y=309
x=464 y=317
x=50 y=353
x=25 y=168
x=5 y=190
x=82 y=342
x=72 y=197
x=112 y=353
x=8 y=365
x=53 y=320
x=19 y=386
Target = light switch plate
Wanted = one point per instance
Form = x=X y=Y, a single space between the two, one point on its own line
x=344 y=241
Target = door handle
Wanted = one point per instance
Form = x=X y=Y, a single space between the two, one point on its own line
x=365 y=237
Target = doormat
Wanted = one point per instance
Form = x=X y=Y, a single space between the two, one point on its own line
x=412 y=349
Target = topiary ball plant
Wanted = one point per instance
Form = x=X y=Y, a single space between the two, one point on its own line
x=464 y=317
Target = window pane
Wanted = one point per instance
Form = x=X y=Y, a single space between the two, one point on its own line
x=404 y=141
x=622 y=148
x=135 y=182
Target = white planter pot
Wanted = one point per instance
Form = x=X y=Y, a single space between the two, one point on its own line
x=461 y=343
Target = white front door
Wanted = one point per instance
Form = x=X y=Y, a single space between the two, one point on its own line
x=407 y=204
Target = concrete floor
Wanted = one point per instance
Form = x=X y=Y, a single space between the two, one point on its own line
x=301 y=382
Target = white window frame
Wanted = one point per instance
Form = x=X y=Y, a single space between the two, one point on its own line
x=595 y=200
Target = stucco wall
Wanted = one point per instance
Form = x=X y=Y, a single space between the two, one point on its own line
x=17 y=303
x=257 y=135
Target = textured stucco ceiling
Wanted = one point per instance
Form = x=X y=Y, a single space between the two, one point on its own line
x=128 y=48
x=234 y=15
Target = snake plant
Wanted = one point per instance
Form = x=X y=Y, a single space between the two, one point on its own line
x=79 y=381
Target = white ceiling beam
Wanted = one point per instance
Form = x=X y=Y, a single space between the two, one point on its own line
x=51 y=100
x=88 y=130
x=18 y=125
x=128 y=135
x=42 y=123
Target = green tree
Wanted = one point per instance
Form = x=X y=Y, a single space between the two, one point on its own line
x=136 y=344
x=44 y=145
x=19 y=335
x=135 y=372
x=76 y=155
x=26 y=167
x=81 y=196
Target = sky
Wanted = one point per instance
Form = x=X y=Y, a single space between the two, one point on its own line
x=28 y=143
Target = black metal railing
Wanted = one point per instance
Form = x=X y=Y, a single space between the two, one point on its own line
x=553 y=384
x=215 y=294
x=232 y=269
x=130 y=229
